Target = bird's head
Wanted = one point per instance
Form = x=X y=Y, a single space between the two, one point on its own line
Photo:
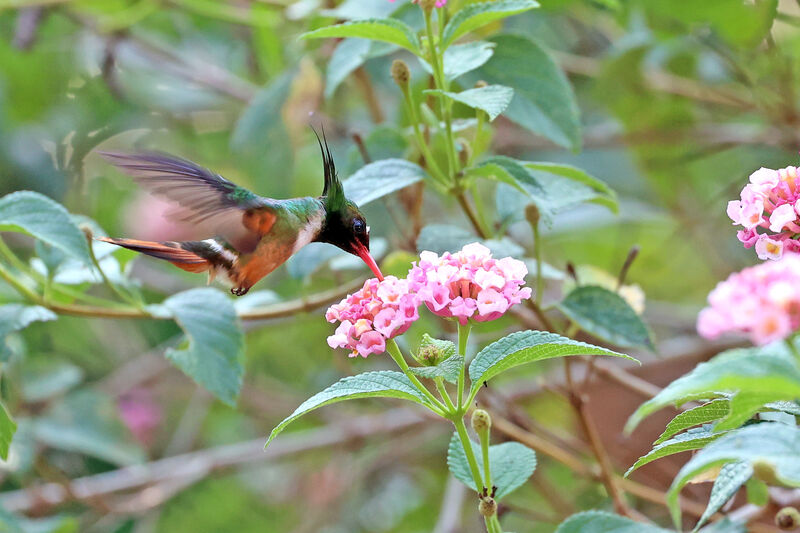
x=344 y=225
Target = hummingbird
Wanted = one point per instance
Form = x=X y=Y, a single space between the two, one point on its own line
x=254 y=235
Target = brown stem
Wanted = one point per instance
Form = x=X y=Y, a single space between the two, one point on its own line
x=368 y=91
x=471 y=215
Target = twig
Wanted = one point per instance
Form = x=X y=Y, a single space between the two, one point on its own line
x=204 y=462
x=368 y=91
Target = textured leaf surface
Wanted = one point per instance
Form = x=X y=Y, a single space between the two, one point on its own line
x=525 y=347
x=387 y=30
x=695 y=416
x=602 y=522
x=769 y=371
x=380 y=178
x=493 y=99
x=462 y=58
x=511 y=462
x=449 y=369
x=770 y=448
x=213 y=357
x=474 y=16
x=382 y=384
x=730 y=478
x=41 y=217
x=543 y=102
x=510 y=171
x=15 y=317
x=567 y=186
x=692 y=439
x=606 y=315
x=88 y=422
x=7 y=429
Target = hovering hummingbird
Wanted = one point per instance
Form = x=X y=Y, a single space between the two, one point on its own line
x=255 y=235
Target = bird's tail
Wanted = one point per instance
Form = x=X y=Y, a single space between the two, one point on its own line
x=183 y=255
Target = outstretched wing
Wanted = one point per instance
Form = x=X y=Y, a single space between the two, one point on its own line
x=204 y=197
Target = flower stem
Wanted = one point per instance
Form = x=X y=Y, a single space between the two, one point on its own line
x=461 y=429
x=487 y=472
x=493 y=524
x=463 y=337
x=394 y=350
x=790 y=342
x=441 y=83
x=433 y=166
x=446 y=397
x=537 y=252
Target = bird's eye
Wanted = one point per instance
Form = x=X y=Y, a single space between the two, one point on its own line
x=359 y=226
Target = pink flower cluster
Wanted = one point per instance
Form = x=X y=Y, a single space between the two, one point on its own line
x=439 y=3
x=379 y=311
x=761 y=301
x=469 y=284
x=771 y=201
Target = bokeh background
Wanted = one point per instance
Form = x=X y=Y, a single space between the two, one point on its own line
x=679 y=102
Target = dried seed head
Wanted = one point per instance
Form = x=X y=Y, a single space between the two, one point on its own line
x=400 y=73
x=532 y=214
x=481 y=421
x=487 y=507
x=788 y=518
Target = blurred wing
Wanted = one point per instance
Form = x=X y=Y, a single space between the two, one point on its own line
x=205 y=198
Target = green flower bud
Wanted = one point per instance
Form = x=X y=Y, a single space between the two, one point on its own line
x=481 y=421
x=400 y=73
x=433 y=351
x=532 y=214
x=487 y=507
x=788 y=518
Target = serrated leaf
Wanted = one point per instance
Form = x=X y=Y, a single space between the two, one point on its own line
x=730 y=478
x=386 y=30
x=380 y=384
x=525 y=347
x=41 y=217
x=510 y=171
x=769 y=370
x=544 y=102
x=347 y=57
x=440 y=238
x=380 y=178
x=602 y=522
x=449 y=369
x=702 y=414
x=462 y=58
x=493 y=99
x=87 y=422
x=7 y=429
x=473 y=16
x=606 y=315
x=15 y=317
x=213 y=357
x=692 y=439
x=768 y=447
x=511 y=463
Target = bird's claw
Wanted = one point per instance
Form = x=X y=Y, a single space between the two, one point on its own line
x=239 y=291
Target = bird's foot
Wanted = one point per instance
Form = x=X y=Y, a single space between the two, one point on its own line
x=239 y=291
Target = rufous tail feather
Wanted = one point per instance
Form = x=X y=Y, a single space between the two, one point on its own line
x=169 y=251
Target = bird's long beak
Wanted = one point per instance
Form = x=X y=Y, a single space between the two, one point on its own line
x=363 y=253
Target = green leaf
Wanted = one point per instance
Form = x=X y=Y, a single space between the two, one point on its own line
x=213 y=357
x=493 y=99
x=543 y=102
x=606 y=315
x=462 y=58
x=7 y=429
x=88 y=422
x=44 y=378
x=347 y=57
x=449 y=369
x=770 y=448
x=387 y=30
x=602 y=522
x=381 y=384
x=730 y=478
x=39 y=216
x=380 y=178
x=525 y=347
x=473 y=16
x=15 y=317
x=757 y=492
x=440 y=238
x=511 y=463
x=693 y=439
x=510 y=171
x=766 y=372
x=708 y=412
x=571 y=185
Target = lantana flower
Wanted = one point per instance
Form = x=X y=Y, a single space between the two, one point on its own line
x=469 y=284
x=771 y=201
x=379 y=311
x=762 y=302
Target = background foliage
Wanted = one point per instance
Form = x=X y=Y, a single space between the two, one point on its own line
x=669 y=103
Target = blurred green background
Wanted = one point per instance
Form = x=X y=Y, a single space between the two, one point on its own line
x=679 y=102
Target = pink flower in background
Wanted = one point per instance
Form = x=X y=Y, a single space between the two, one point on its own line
x=770 y=201
x=379 y=311
x=148 y=218
x=140 y=413
x=439 y=3
x=469 y=284
x=762 y=302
